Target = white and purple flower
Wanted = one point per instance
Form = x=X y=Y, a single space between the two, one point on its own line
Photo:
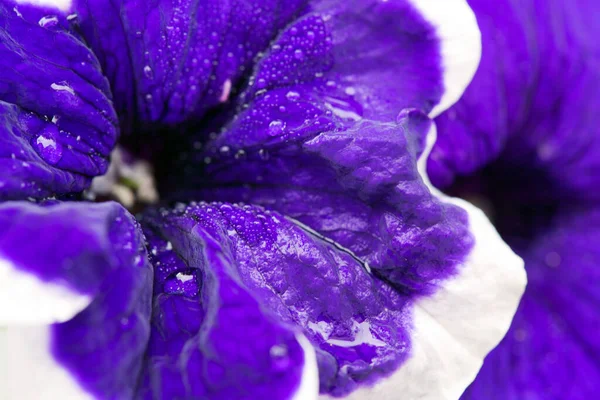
x=298 y=249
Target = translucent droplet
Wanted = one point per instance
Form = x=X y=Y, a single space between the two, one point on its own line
x=62 y=87
x=148 y=72
x=224 y=149
x=298 y=54
x=47 y=146
x=261 y=83
x=292 y=95
x=48 y=21
x=264 y=154
x=276 y=127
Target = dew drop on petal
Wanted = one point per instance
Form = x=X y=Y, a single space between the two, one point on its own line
x=148 y=72
x=292 y=95
x=276 y=127
x=47 y=146
x=48 y=21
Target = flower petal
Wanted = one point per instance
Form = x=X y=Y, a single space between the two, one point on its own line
x=212 y=336
x=57 y=124
x=358 y=186
x=185 y=58
x=551 y=350
x=534 y=98
x=181 y=57
x=75 y=293
x=360 y=190
x=360 y=327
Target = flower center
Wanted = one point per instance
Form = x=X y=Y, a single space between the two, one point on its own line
x=129 y=181
x=516 y=198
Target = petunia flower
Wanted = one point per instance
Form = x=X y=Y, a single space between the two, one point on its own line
x=298 y=248
x=524 y=141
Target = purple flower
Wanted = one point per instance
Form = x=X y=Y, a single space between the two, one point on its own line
x=532 y=157
x=298 y=247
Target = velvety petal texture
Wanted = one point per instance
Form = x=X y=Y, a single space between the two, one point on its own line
x=170 y=61
x=274 y=274
x=534 y=99
x=348 y=275
x=551 y=351
x=182 y=58
x=57 y=123
x=525 y=137
x=75 y=296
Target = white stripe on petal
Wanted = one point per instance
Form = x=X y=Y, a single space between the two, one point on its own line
x=62 y=5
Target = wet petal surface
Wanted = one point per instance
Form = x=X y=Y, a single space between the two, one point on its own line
x=181 y=57
x=361 y=328
x=76 y=292
x=57 y=124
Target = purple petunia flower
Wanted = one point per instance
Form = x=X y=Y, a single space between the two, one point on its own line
x=297 y=250
x=532 y=156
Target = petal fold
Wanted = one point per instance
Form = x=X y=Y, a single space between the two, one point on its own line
x=57 y=123
x=75 y=300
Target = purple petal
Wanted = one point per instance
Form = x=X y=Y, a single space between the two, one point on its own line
x=285 y=276
x=183 y=58
x=534 y=98
x=179 y=58
x=551 y=349
x=57 y=124
x=216 y=332
x=360 y=187
x=75 y=300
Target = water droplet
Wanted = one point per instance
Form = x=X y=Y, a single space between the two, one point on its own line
x=261 y=83
x=148 y=72
x=47 y=146
x=350 y=91
x=62 y=87
x=224 y=149
x=48 y=21
x=292 y=95
x=264 y=154
x=276 y=127
x=298 y=54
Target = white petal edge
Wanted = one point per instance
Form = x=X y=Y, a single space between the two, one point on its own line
x=29 y=371
x=62 y=5
x=455 y=328
x=25 y=299
x=457 y=28
x=309 y=384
